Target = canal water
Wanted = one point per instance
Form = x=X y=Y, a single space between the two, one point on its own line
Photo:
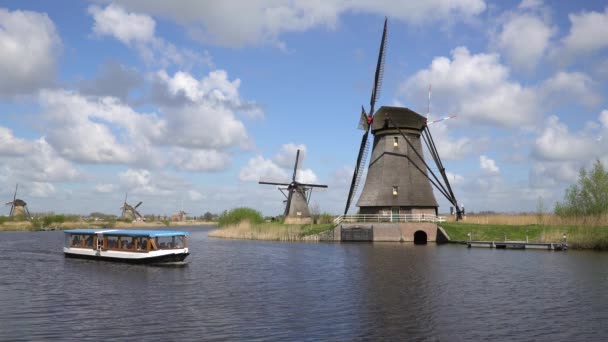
x=253 y=290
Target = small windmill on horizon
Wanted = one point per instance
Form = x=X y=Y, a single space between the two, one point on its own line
x=18 y=207
x=297 y=196
x=130 y=212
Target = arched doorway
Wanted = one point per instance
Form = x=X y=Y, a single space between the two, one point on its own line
x=420 y=238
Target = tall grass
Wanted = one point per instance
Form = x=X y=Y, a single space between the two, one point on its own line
x=238 y=215
x=268 y=231
x=535 y=218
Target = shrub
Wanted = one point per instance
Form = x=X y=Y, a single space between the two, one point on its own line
x=589 y=197
x=326 y=218
x=238 y=215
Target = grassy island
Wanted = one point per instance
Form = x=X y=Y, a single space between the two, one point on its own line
x=249 y=224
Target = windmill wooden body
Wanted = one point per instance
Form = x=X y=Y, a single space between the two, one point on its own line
x=399 y=181
x=130 y=212
x=297 y=197
x=18 y=207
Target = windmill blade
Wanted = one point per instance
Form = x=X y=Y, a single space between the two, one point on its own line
x=442 y=119
x=379 y=71
x=363 y=122
x=295 y=168
x=138 y=204
x=15 y=195
x=313 y=185
x=291 y=191
x=357 y=173
x=137 y=213
x=273 y=183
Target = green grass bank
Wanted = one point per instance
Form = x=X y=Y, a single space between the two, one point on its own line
x=578 y=237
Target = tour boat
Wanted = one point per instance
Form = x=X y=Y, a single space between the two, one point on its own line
x=132 y=246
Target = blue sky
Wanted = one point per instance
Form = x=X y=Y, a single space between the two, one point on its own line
x=191 y=103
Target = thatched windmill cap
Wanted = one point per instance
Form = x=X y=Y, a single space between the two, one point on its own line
x=405 y=118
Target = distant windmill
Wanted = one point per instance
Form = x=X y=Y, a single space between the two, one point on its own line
x=18 y=207
x=180 y=216
x=297 y=197
x=130 y=212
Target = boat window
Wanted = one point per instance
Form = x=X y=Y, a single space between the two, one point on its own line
x=75 y=242
x=81 y=241
x=88 y=241
x=112 y=242
x=127 y=243
x=142 y=243
x=170 y=242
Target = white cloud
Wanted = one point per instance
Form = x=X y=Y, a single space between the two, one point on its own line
x=238 y=23
x=11 y=145
x=138 y=30
x=450 y=148
x=41 y=189
x=200 y=160
x=143 y=182
x=206 y=119
x=530 y=4
x=307 y=176
x=587 y=33
x=40 y=163
x=126 y=27
x=105 y=188
x=286 y=157
x=29 y=46
x=194 y=195
x=261 y=169
x=566 y=86
x=556 y=143
x=477 y=88
x=604 y=118
x=81 y=128
x=488 y=165
x=524 y=53
x=454 y=179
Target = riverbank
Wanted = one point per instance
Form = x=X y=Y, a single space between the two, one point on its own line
x=578 y=236
x=269 y=231
x=28 y=226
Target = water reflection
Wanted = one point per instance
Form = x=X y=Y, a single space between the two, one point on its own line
x=250 y=290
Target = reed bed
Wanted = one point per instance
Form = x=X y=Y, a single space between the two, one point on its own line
x=533 y=218
x=268 y=231
x=28 y=226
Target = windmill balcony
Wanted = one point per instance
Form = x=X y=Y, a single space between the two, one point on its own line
x=369 y=218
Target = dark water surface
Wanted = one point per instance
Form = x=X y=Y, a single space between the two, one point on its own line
x=252 y=290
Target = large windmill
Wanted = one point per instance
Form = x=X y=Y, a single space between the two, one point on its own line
x=297 y=197
x=18 y=207
x=130 y=212
x=398 y=178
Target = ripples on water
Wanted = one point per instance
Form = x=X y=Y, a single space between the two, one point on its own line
x=250 y=290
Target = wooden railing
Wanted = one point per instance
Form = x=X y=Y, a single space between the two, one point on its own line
x=359 y=218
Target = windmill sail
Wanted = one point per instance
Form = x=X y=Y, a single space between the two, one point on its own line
x=362 y=155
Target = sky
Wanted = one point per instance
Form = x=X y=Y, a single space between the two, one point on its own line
x=188 y=104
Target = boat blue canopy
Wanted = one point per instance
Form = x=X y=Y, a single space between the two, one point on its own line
x=127 y=232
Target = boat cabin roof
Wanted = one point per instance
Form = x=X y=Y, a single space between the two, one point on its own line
x=127 y=232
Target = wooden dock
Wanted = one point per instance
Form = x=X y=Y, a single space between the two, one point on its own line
x=552 y=246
